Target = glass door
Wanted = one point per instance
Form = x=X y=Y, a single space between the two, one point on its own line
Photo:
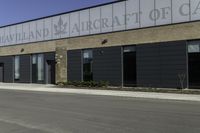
x=129 y=66
x=87 y=65
x=194 y=65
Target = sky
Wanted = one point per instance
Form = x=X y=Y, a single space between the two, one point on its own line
x=14 y=11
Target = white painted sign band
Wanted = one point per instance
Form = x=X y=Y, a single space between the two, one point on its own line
x=130 y=14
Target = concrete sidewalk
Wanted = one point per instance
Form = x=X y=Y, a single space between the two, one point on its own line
x=53 y=88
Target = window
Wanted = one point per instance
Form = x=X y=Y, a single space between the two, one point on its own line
x=17 y=67
x=34 y=59
x=129 y=66
x=129 y=49
x=194 y=47
x=87 y=65
x=40 y=67
x=34 y=68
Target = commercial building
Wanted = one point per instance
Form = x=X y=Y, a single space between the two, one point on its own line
x=150 y=43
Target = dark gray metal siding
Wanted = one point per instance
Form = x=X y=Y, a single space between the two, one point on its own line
x=158 y=65
x=107 y=65
x=148 y=65
x=173 y=63
x=74 y=64
x=8 y=68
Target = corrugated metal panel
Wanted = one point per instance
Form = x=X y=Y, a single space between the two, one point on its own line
x=158 y=65
x=74 y=71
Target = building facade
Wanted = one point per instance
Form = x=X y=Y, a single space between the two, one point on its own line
x=147 y=43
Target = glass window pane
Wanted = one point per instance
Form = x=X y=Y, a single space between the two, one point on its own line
x=34 y=59
x=87 y=54
x=193 y=48
x=17 y=67
x=87 y=65
x=40 y=65
x=129 y=49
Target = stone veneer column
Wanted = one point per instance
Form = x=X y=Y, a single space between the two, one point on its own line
x=61 y=62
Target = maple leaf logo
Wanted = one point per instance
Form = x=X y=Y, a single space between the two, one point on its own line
x=60 y=27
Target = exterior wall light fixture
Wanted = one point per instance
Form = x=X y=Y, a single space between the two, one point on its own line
x=22 y=50
x=104 y=41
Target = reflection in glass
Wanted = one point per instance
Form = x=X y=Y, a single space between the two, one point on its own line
x=87 y=65
x=40 y=65
x=17 y=67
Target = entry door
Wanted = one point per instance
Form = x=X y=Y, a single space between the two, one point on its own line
x=194 y=70
x=1 y=72
x=50 y=72
x=129 y=65
x=34 y=73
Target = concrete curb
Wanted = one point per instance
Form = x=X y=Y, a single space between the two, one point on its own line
x=51 y=88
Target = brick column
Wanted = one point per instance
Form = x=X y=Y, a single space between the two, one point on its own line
x=61 y=62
